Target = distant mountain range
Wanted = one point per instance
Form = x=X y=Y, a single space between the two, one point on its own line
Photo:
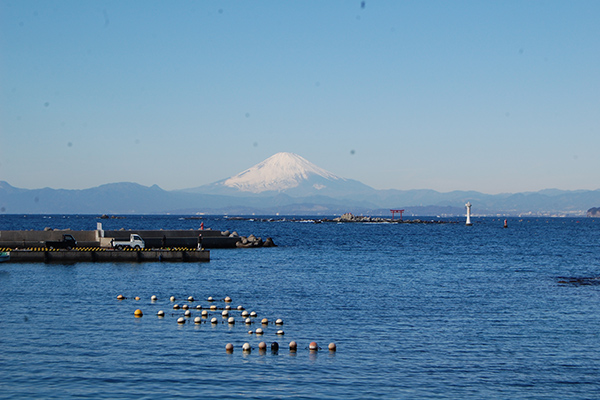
x=287 y=184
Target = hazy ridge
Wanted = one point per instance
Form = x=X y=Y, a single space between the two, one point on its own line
x=288 y=184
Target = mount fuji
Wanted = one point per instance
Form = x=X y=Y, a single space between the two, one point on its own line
x=285 y=173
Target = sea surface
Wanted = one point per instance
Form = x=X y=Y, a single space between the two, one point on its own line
x=417 y=311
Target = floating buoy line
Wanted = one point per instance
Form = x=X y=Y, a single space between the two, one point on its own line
x=225 y=312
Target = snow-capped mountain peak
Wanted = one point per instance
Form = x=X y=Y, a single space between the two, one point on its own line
x=279 y=172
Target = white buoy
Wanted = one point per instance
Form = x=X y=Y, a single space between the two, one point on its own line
x=229 y=348
x=185 y=307
x=240 y=308
x=227 y=299
x=231 y=320
x=293 y=346
x=225 y=313
x=161 y=313
x=175 y=306
x=187 y=313
x=213 y=307
x=280 y=332
x=279 y=321
x=246 y=347
x=213 y=320
x=250 y=332
x=259 y=331
x=248 y=321
x=468 y=205
x=210 y=298
x=120 y=297
x=181 y=320
x=245 y=314
x=332 y=347
x=253 y=314
x=153 y=298
x=198 y=320
x=262 y=346
x=228 y=307
x=198 y=307
x=204 y=313
x=191 y=298
x=172 y=298
x=264 y=321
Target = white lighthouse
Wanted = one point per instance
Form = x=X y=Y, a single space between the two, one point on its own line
x=468 y=205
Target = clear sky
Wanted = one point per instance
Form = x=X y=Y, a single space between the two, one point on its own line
x=492 y=96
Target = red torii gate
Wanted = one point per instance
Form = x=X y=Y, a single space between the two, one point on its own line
x=396 y=211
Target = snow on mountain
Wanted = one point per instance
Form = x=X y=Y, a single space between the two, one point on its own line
x=284 y=174
x=279 y=172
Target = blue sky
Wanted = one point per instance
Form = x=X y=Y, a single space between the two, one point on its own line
x=492 y=96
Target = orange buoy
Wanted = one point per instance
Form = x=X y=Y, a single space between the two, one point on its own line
x=313 y=346
x=138 y=313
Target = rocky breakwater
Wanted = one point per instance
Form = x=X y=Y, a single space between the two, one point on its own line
x=249 y=241
x=349 y=217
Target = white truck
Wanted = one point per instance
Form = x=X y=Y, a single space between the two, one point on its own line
x=135 y=242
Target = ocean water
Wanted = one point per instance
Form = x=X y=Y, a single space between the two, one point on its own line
x=424 y=311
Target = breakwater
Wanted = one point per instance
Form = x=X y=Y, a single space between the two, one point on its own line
x=108 y=255
x=154 y=239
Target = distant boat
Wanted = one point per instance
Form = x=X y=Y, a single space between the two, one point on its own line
x=4 y=256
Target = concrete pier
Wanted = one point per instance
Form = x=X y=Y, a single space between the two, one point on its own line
x=108 y=255
x=100 y=238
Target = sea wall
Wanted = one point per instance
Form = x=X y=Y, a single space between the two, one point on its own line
x=211 y=239
x=105 y=255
